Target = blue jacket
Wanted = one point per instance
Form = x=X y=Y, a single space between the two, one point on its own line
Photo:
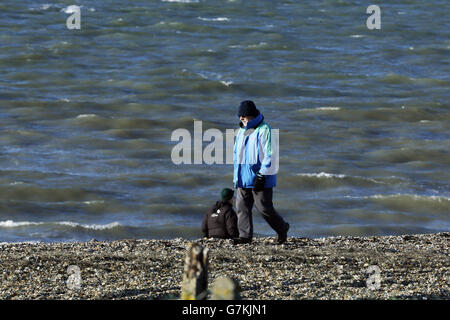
x=253 y=154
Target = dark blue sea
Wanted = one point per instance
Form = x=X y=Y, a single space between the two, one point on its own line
x=87 y=115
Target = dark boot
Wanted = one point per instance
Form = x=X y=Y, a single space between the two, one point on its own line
x=282 y=237
x=242 y=240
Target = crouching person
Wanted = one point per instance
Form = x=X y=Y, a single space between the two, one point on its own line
x=221 y=220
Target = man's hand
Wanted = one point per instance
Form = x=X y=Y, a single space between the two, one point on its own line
x=259 y=183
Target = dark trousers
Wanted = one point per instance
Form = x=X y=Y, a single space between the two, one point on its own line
x=263 y=201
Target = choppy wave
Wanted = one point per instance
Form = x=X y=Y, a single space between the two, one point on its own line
x=413 y=197
x=410 y=203
x=427 y=157
x=17 y=224
x=322 y=175
x=401 y=79
x=19 y=231
x=46 y=6
x=98 y=122
x=28 y=192
x=90 y=226
x=12 y=224
x=399 y=113
x=325 y=180
x=57 y=7
x=70 y=9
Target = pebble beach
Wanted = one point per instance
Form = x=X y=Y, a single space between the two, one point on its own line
x=409 y=267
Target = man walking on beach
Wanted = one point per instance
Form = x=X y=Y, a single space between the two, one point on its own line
x=255 y=174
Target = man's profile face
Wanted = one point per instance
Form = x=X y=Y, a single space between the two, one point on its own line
x=246 y=119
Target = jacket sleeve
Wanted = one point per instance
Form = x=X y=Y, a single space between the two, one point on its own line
x=268 y=152
x=236 y=154
x=231 y=223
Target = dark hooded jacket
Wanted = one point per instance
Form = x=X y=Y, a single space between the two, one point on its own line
x=220 y=221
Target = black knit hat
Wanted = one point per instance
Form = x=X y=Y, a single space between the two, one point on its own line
x=248 y=108
x=227 y=194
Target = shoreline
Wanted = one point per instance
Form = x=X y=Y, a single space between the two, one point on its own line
x=409 y=266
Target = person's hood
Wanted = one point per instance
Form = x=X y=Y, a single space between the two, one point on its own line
x=253 y=123
x=220 y=204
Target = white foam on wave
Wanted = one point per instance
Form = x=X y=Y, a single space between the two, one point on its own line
x=320 y=109
x=336 y=176
x=90 y=226
x=14 y=224
x=212 y=76
x=413 y=196
x=227 y=83
x=329 y=108
x=400 y=195
x=214 y=19
x=94 y=202
x=90 y=115
x=15 y=183
x=181 y=1
x=71 y=9
x=322 y=175
x=261 y=44
x=44 y=6
x=256 y=45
